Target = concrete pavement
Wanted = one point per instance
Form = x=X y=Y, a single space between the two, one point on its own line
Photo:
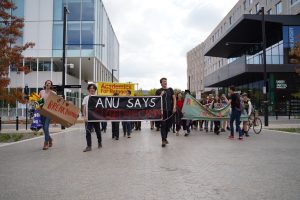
x=201 y=166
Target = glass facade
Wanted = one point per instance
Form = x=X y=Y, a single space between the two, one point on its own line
x=274 y=55
x=80 y=27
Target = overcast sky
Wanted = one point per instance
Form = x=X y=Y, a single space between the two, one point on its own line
x=155 y=35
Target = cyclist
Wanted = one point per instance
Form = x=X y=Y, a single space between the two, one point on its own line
x=248 y=110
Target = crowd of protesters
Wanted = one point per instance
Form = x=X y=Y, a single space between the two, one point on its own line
x=172 y=116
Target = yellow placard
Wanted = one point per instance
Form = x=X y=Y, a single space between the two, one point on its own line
x=108 y=89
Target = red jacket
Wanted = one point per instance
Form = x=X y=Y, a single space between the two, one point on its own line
x=180 y=104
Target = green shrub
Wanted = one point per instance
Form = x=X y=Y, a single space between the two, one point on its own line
x=4 y=137
x=16 y=137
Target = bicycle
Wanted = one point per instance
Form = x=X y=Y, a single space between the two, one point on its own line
x=255 y=123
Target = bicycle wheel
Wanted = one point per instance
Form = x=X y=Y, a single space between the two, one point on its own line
x=257 y=125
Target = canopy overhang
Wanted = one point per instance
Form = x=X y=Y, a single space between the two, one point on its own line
x=245 y=36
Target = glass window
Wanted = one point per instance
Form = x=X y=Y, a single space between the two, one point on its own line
x=250 y=12
x=269 y=12
x=19 y=12
x=58 y=9
x=279 y=8
x=88 y=10
x=294 y=1
x=87 y=35
x=57 y=38
x=230 y=20
x=73 y=35
x=257 y=7
x=74 y=7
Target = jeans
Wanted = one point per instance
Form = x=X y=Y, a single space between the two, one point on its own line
x=46 y=123
x=235 y=116
x=126 y=127
x=206 y=124
x=89 y=127
x=165 y=124
x=186 y=125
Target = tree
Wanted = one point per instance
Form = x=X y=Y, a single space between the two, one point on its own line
x=10 y=53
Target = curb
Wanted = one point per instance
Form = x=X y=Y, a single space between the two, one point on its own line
x=34 y=138
x=277 y=131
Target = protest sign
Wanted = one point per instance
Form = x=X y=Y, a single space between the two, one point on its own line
x=118 y=108
x=60 y=110
x=108 y=89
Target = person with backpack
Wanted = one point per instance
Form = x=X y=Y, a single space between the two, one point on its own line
x=248 y=110
x=236 y=111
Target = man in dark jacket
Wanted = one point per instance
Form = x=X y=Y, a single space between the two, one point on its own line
x=169 y=107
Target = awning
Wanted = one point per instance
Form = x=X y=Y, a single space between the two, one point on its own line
x=248 y=30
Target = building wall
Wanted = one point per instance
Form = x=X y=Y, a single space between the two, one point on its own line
x=211 y=64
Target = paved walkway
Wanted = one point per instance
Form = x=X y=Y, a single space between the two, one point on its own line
x=201 y=166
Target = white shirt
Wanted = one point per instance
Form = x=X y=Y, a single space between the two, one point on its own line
x=85 y=100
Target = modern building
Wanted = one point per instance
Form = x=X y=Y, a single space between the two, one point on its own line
x=232 y=54
x=92 y=48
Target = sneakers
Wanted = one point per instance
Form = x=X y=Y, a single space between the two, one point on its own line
x=223 y=130
x=246 y=134
x=186 y=134
x=128 y=136
x=240 y=138
x=99 y=145
x=87 y=149
x=167 y=142
x=228 y=128
x=163 y=143
x=231 y=137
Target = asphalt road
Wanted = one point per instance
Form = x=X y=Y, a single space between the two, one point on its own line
x=201 y=166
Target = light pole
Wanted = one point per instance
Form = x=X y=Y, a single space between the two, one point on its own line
x=264 y=45
x=66 y=11
x=112 y=75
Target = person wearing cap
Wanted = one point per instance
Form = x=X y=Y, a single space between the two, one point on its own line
x=248 y=110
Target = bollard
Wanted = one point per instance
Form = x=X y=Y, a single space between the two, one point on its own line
x=0 y=124
x=17 y=123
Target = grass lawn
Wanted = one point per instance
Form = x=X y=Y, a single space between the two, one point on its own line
x=14 y=137
x=292 y=130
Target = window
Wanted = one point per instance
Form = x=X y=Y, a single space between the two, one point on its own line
x=74 y=6
x=57 y=36
x=87 y=35
x=269 y=12
x=19 y=12
x=87 y=10
x=250 y=12
x=250 y=2
x=73 y=35
x=278 y=8
x=230 y=20
x=294 y=1
x=257 y=6
x=245 y=5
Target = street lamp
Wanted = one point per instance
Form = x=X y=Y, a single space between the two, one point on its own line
x=264 y=44
x=112 y=75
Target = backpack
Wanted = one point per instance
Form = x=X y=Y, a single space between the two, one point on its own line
x=239 y=102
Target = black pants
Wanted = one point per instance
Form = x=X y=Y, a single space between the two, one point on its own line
x=166 y=124
x=217 y=126
x=89 y=127
x=115 y=129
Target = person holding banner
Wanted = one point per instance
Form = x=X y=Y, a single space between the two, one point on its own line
x=92 y=88
x=169 y=108
x=48 y=88
x=115 y=125
x=127 y=125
